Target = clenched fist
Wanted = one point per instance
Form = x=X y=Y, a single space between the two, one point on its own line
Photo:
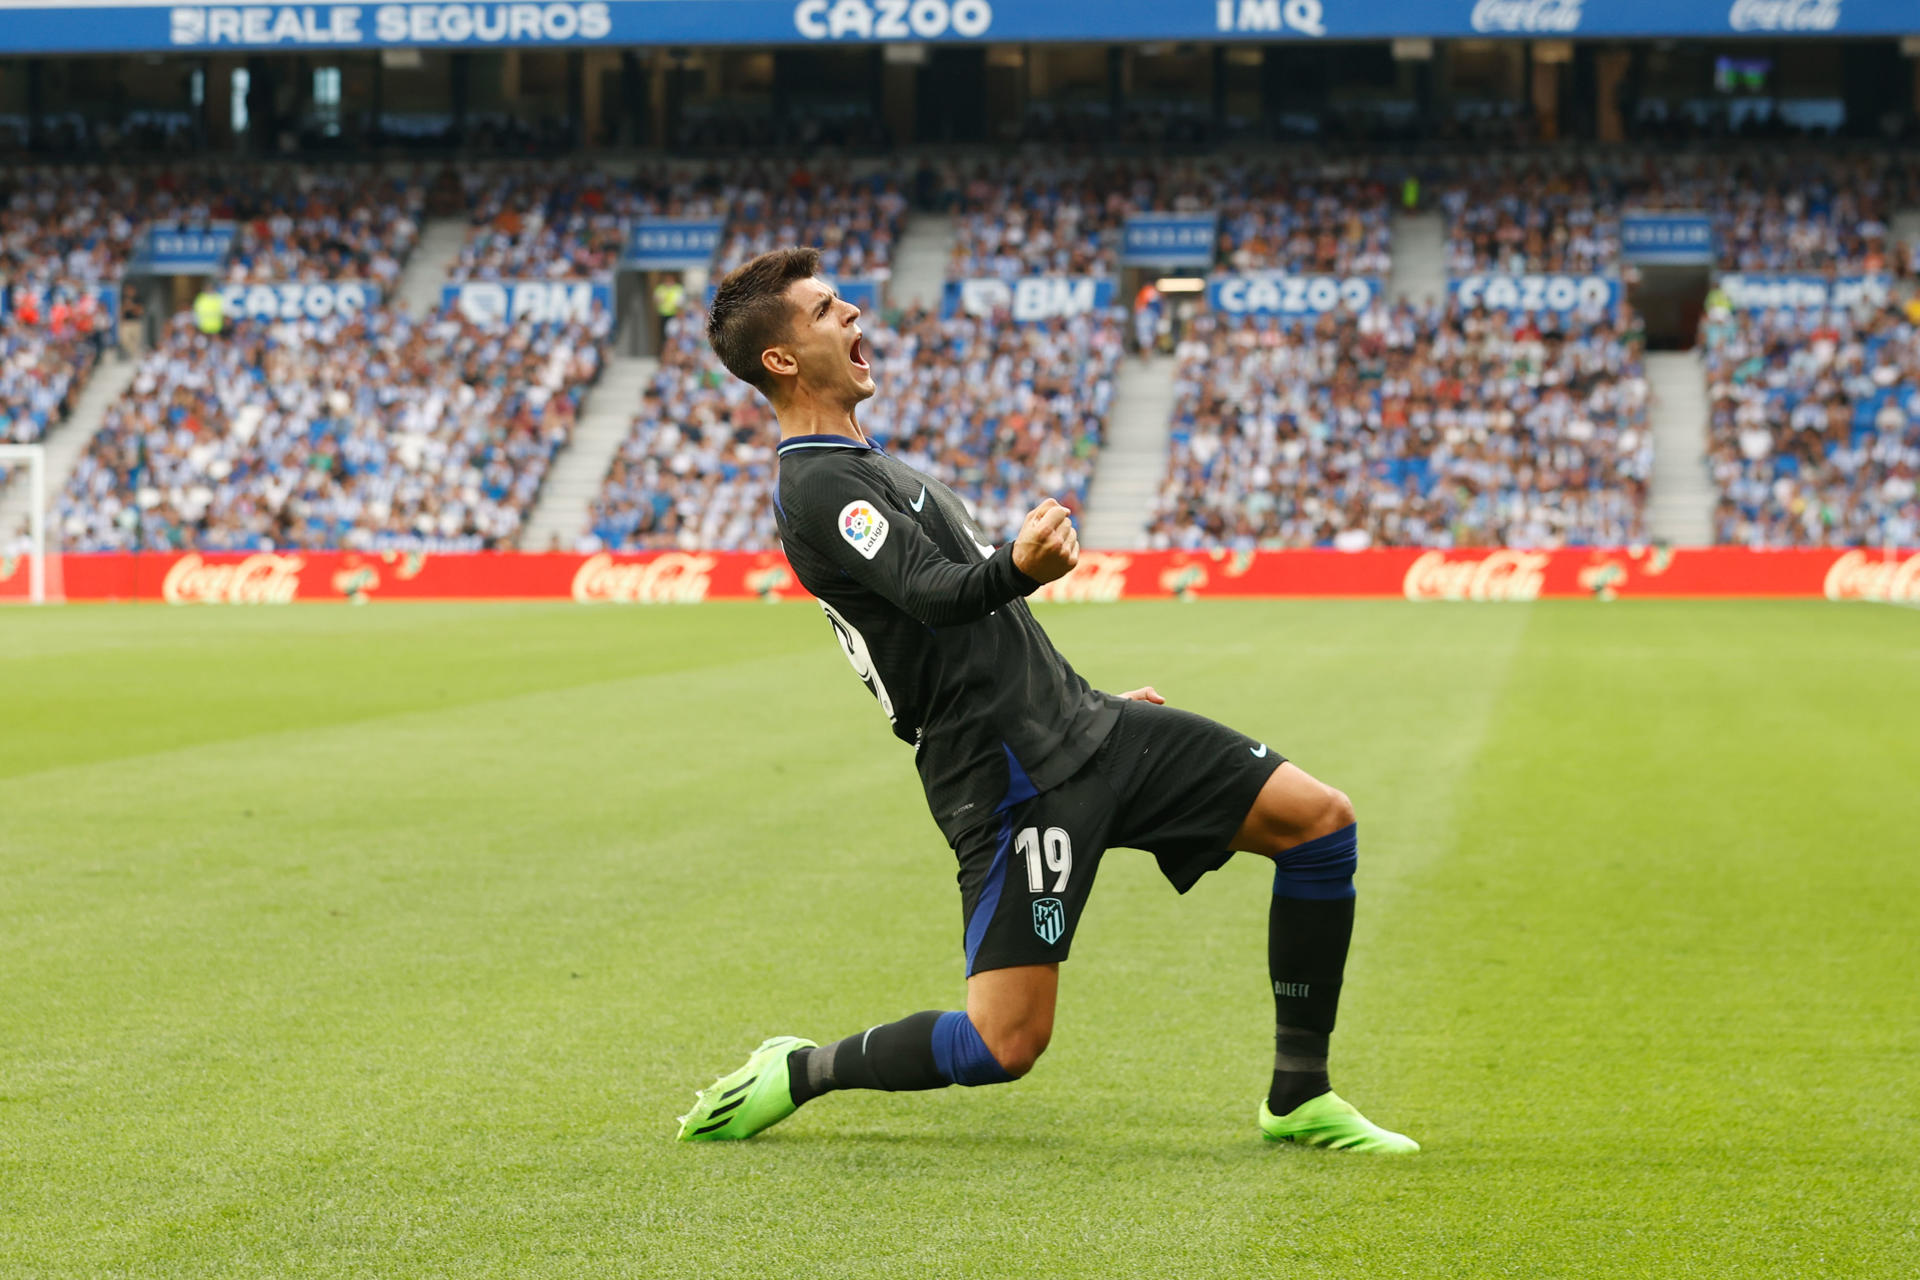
x=1048 y=546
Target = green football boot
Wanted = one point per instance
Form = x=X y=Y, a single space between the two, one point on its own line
x=751 y=1099
x=1331 y=1121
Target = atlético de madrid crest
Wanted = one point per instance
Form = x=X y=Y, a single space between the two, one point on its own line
x=1049 y=919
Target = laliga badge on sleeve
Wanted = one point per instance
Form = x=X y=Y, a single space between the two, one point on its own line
x=862 y=524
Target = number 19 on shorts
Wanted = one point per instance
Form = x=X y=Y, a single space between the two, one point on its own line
x=1051 y=852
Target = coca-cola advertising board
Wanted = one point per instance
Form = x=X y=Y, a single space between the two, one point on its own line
x=679 y=577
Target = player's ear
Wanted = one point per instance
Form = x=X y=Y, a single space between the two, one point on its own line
x=779 y=361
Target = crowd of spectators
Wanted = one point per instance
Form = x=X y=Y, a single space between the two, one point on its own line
x=1315 y=218
x=1406 y=426
x=1815 y=426
x=63 y=236
x=377 y=431
x=1000 y=412
x=552 y=222
x=1065 y=217
x=41 y=373
x=1040 y=218
x=853 y=221
x=1772 y=211
x=315 y=224
x=1542 y=218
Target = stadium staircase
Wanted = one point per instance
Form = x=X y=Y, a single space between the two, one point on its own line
x=1681 y=498
x=1906 y=226
x=426 y=271
x=605 y=419
x=66 y=442
x=920 y=261
x=1133 y=458
x=1419 y=258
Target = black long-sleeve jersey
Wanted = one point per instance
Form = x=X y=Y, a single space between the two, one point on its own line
x=936 y=625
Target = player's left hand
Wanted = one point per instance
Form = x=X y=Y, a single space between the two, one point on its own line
x=1146 y=694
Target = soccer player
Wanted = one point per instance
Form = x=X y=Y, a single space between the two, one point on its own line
x=1031 y=774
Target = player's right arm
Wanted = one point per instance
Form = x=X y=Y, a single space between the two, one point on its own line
x=845 y=518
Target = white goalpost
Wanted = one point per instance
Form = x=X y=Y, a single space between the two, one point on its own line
x=35 y=458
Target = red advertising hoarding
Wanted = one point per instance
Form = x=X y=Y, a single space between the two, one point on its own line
x=676 y=577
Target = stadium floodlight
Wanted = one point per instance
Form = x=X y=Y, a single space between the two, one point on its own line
x=35 y=456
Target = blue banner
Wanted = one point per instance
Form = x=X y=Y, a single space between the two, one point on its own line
x=1558 y=294
x=673 y=244
x=1750 y=292
x=862 y=292
x=299 y=300
x=1274 y=293
x=1029 y=298
x=38 y=26
x=1169 y=240
x=1676 y=239
x=185 y=251
x=492 y=303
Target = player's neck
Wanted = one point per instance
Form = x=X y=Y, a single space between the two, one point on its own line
x=805 y=416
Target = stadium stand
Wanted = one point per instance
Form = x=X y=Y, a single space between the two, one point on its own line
x=853 y=221
x=1321 y=217
x=1778 y=210
x=999 y=411
x=1815 y=429
x=1541 y=218
x=311 y=225
x=1064 y=217
x=60 y=238
x=381 y=430
x=376 y=432
x=1040 y=218
x=531 y=221
x=1405 y=426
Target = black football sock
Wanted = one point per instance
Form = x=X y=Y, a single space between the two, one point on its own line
x=928 y=1050
x=1308 y=929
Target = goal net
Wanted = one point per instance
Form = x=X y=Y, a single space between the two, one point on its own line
x=29 y=573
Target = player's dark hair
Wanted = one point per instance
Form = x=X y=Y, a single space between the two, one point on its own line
x=750 y=311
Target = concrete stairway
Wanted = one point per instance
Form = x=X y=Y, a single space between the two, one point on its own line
x=1133 y=459
x=426 y=271
x=1905 y=226
x=1680 y=504
x=66 y=442
x=920 y=261
x=1419 y=258
x=561 y=511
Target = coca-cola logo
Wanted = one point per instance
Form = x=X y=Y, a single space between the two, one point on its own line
x=1526 y=15
x=258 y=579
x=1784 y=15
x=1099 y=578
x=674 y=577
x=1860 y=576
x=1503 y=575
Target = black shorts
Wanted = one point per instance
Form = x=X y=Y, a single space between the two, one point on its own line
x=1170 y=782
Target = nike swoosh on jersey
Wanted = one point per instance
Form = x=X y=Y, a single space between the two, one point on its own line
x=920 y=501
x=1261 y=754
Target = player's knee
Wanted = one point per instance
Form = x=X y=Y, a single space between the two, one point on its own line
x=1336 y=812
x=1018 y=1050
x=1319 y=814
x=1017 y=1044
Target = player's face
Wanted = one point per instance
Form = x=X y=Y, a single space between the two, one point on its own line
x=826 y=345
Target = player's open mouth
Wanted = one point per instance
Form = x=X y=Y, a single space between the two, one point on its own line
x=858 y=355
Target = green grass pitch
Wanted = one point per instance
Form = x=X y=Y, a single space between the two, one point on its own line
x=390 y=941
